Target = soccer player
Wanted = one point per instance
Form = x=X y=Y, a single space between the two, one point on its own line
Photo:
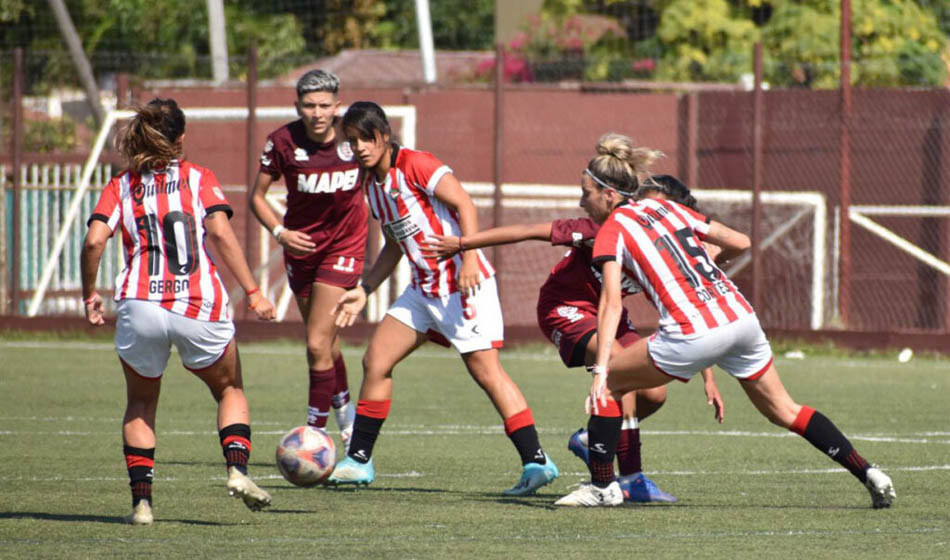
x=704 y=320
x=414 y=195
x=170 y=293
x=567 y=315
x=323 y=233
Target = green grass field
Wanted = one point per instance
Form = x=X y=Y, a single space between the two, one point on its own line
x=746 y=489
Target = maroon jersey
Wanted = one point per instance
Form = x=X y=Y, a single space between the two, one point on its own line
x=574 y=280
x=324 y=198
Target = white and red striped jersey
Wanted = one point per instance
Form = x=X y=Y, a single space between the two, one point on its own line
x=161 y=216
x=658 y=244
x=406 y=206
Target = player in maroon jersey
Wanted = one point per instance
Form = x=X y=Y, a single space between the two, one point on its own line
x=704 y=320
x=415 y=195
x=170 y=293
x=323 y=233
x=567 y=315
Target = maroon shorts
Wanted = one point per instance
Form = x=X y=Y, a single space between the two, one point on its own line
x=570 y=328
x=343 y=272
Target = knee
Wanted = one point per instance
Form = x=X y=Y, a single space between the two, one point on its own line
x=319 y=347
x=375 y=368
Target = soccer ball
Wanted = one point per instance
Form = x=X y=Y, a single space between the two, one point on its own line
x=306 y=456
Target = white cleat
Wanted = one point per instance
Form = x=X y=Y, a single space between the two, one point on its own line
x=141 y=514
x=240 y=486
x=589 y=495
x=880 y=487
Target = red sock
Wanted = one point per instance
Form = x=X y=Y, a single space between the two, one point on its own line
x=321 y=393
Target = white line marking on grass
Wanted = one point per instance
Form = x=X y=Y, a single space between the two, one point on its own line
x=468 y=430
x=264 y=350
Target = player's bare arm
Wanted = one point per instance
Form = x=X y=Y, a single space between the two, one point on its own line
x=353 y=301
x=92 y=249
x=450 y=191
x=296 y=242
x=732 y=242
x=226 y=247
x=608 y=317
x=444 y=246
x=713 y=396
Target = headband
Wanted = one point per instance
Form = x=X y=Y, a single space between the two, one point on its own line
x=605 y=184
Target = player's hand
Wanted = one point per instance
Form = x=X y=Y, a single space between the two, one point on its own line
x=296 y=242
x=714 y=397
x=348 y=308
x=93 y=307
x=469 y=277
x=598 y=391
x=262 y=307
x=443 y=247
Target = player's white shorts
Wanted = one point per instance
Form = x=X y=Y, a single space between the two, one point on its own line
x=469 y=323
x=145 y=332
x=740 y=348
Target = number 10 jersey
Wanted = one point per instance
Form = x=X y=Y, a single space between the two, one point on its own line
x=161 y=216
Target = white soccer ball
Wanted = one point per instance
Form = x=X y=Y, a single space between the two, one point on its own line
x=905 y=355
x=306 y=456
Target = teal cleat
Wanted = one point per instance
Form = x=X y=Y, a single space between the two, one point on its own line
x=351 y=471
x=534 y=476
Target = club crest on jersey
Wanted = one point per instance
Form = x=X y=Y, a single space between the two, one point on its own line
x=301 y=154
x=344 y=151
x=570 y=312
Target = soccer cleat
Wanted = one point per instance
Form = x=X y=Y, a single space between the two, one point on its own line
x=351 y=471
x=589 y=495
x=578 y=445
x=640 y=489
x=240 y=486
x=534 y=476
x=141 y=514
x=880 y=487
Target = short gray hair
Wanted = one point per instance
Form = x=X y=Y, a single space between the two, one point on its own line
x=317 y=80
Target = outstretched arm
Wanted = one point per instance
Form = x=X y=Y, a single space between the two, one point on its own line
x=445 y=246
x=732 y=242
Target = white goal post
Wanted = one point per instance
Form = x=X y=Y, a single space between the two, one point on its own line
x=809 y=204
x=377 y=303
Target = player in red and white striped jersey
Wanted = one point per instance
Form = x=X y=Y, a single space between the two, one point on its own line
x=414 y=196
x=704 y=321
x=567 y=315
x=170 y=293
x=323 y=233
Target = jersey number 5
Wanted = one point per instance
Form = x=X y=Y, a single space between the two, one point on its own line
x=684 y=248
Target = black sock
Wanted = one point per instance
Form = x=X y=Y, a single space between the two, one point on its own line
x=236 y=445
x=528 y=446
x=827 y=438
x=365 y=432
x=603 y=432
x=140 y=463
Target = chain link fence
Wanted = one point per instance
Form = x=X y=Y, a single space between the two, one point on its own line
x=663 y=72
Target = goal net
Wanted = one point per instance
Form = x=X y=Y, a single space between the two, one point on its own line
x=793 y=255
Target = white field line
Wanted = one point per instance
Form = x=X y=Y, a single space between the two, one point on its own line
x=416 y=474
x=263 y=349
x=448 y=430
